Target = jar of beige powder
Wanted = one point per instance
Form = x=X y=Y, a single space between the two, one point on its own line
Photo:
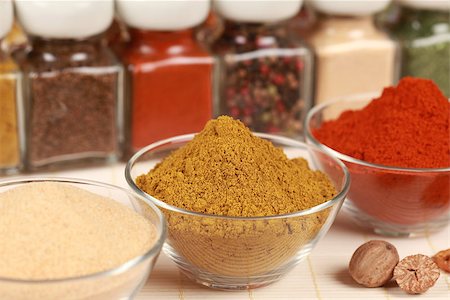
x=354 y=59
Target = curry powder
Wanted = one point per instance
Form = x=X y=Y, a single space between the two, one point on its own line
x=227 y=171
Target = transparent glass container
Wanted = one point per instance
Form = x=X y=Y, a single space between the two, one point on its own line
x=354 y=59
x=392 y=201
x=73 y=102
x=424 y=36
x=239 y=253
x=10 y=103
x=263 y=77
x=169 y=85
x=121 y=282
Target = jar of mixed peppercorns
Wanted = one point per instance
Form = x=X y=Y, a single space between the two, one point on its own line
x=264 y=74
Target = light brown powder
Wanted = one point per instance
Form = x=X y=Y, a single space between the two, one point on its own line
x=54 y=230
x=226 y=170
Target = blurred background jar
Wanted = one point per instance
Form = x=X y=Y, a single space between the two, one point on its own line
x=16 y=38
x=170 y=73
x=354 y=59
x=210 y=29
x=264 y=75
x=72 y=83
x=9 y=97
x=423 y=30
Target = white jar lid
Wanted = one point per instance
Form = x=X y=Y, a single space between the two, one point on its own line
x=427 y=4
x=349 y=7
x=65 y=19
x=6 y=17
x=163 y=15
x=257 y=11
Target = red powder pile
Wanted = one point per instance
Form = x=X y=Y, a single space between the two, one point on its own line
x=408 y=126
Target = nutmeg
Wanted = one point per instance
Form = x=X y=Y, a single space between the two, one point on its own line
x=373 y=263
x=415 y=274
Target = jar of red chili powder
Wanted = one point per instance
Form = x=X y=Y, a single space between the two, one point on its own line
x=72 y=83
x=170 y=74
x=264 y=74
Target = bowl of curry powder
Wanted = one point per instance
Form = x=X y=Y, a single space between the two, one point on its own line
x=243 y=209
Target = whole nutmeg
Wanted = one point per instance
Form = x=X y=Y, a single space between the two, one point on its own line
x=373 y=263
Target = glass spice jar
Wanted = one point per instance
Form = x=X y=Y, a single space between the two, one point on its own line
x=264 y=74
x=72 y=83
x=354 y=59
x=423 y=30
x=9 y=98
x=169 y=91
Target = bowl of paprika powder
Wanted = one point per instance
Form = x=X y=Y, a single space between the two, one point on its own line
x=397 y=150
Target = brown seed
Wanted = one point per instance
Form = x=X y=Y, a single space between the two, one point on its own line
x=442 y=259
x=415 y=274
x=373 y=263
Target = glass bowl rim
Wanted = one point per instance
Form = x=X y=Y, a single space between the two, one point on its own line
x=128 y=265
x=310 y=137
x=340 y=196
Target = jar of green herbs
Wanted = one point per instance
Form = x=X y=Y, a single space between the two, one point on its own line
x=423 y=29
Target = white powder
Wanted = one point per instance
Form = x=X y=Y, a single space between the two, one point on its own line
x=55 y=230
x=354 y=59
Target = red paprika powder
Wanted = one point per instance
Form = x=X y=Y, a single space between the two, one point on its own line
x=403 y=131
x=408 y=126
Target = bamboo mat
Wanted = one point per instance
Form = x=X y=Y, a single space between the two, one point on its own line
x=323 y=275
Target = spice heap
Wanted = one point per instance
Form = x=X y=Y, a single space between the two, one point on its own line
x=55 y=231
x=226 y=170
x=408 y=126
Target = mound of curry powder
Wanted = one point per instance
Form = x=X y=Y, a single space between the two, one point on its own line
x=226 y=170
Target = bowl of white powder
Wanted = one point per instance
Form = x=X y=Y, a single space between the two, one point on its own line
x=75 y=239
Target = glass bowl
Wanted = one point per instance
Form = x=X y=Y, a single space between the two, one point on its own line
x=235 y=253
x=389 y=200
x=122 y=282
